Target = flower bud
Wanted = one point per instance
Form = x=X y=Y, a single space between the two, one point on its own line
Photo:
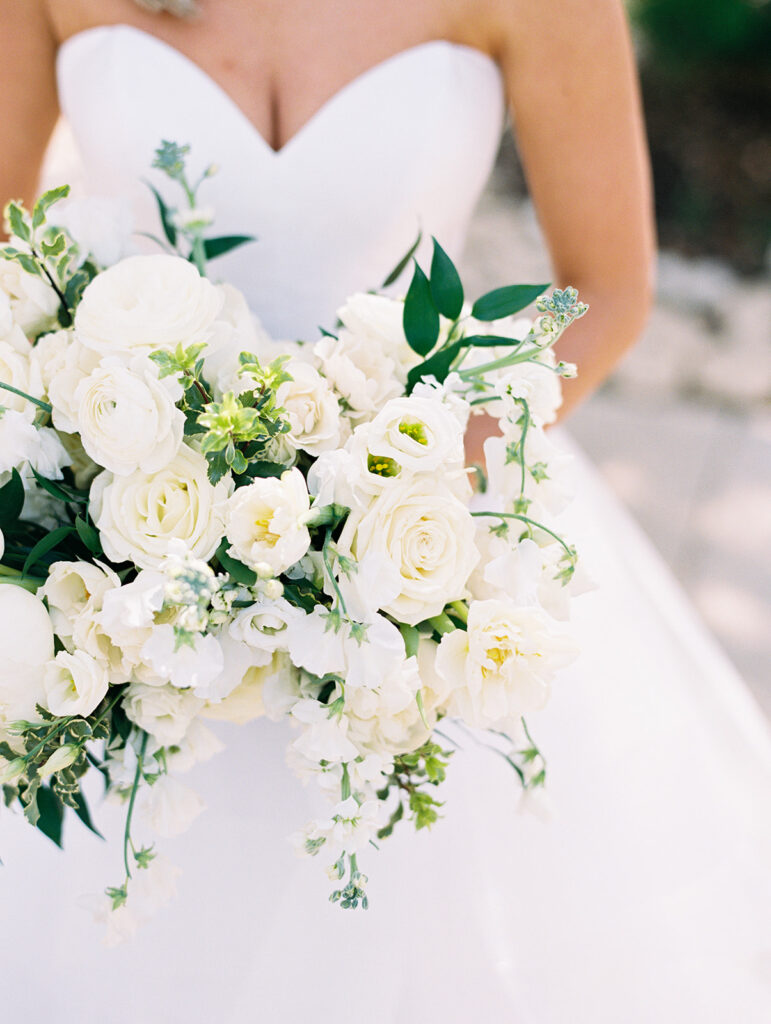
x=61 y=758
x=12 y=770
x=567 y=370
x=274 y=589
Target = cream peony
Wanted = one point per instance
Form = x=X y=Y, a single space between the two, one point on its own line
x=74 y=684
x=127 y=417
x=137 y=515
x=427 y=534
x=501 y=667
x=146 y=303
x=266 y=522
x=311 y=408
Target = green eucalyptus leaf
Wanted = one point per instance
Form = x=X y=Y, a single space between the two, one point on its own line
x=214 y=247
x=11 y=500
x=506 y=301
x=401 y=265
x=46 y=544
x=420 y=318
x=446 y=286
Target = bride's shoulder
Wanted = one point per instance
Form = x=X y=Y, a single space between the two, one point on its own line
x=507 y=25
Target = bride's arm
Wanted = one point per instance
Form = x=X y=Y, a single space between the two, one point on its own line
x=28 y=96
x=573 y=92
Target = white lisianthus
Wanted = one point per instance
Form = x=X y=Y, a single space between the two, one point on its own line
x=18 y=370
x=359 y=371
x=311 y=408
x=138 y=515
x=127 y=417
x=263 y=626
x=21 y=442
x=266 y=521
x=69 y=588
x=34 y=303
x=501 y=667
x=427 y=534
x=71 y=365
x=74 y=684
x=168 y=807
x=26 y=646
x=163 y=711
x=146 y=303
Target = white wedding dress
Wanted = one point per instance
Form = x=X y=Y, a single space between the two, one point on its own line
x=645 y=897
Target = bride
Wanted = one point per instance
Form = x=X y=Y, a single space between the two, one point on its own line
x=338 y=128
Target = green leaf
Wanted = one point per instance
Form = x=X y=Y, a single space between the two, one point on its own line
x=60 y=491
x=17 y=222
x=446 y=286
x=397 y=816
x=75 y=287
x=89 y=535
x=420 y=318
x=46 y=201
x=11 y=500
x=490 y=341
x=167 y=223
x=400 y=266
x=46 y=544
x=300 y=594
x=506 y=301
x=411 y=637
x=82 y=811
x=51 y=816
x=214 y=247
x=260 y=468
x=236 y=570
x=54 y=248
x=437 y=365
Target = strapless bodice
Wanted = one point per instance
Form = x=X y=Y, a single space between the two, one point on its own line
x=408 y=144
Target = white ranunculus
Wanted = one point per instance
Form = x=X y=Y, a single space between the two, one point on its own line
x=70 y=586
x=266 y=521
x=138 y=515
x=22 y=442
x=72 y=365
x=74 y=684
x=501 y=667
x=163 y=711
x=50 y=353
x=168 y=807
x=18 y=370
x=128 y=418
x=34 y=303
x=26 y=646
x=146 y=303
x=311 y=408
x=359 y=371
x=427 y=534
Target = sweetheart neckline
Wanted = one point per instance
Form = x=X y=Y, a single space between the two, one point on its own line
x=307 y=127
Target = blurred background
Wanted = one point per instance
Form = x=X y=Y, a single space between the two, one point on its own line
x=682 y=431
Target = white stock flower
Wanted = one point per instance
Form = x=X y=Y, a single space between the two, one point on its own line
x=311 y=408
x=69 y=588
x=501 y=667
x=163 y=711
x=74 y=684
x=359 y=371
x=34 y=303
x=146 y=303
x=127 y=417
x=138 y=515
x=168 y=807
x=427 y=534
x=266 y=521
x=26 y=646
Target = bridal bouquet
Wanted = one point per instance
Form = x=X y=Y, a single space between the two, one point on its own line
x=201 y=522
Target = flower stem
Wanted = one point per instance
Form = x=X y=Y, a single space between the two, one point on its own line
x=132 y=800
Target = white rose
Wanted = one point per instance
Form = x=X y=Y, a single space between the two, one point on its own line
x=427 y=534
x=138 y=515
x=72 y=365
x=266 y=521
x=311 y=408
x=26 y=646
x=69 y=588
x=359 y=371
x=22 y=442
x=34 y=303
x=162 y=711
x=127 y=417
x=74 y=684
x=146 y=303
x=501 y=667
x=17 y=369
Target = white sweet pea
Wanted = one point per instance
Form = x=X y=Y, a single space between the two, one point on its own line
x=198 y=745
x=168 y=807
x=74 y=684
x=333 y=478
x=374 y=583
x=501 y=667
x=323 y=738
x=146 y=303
x=266 y=521
x=380 y=653
x=127 y=417
x=34 y=303
x=311 y=408
x=428 y=536
x=312 y=645
x=163 y=711
x=537 y=384
x=548 y=496
x=194 y=664
x=26 y=646
x=138 y=515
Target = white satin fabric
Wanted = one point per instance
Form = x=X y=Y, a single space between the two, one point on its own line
x=645 y=897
